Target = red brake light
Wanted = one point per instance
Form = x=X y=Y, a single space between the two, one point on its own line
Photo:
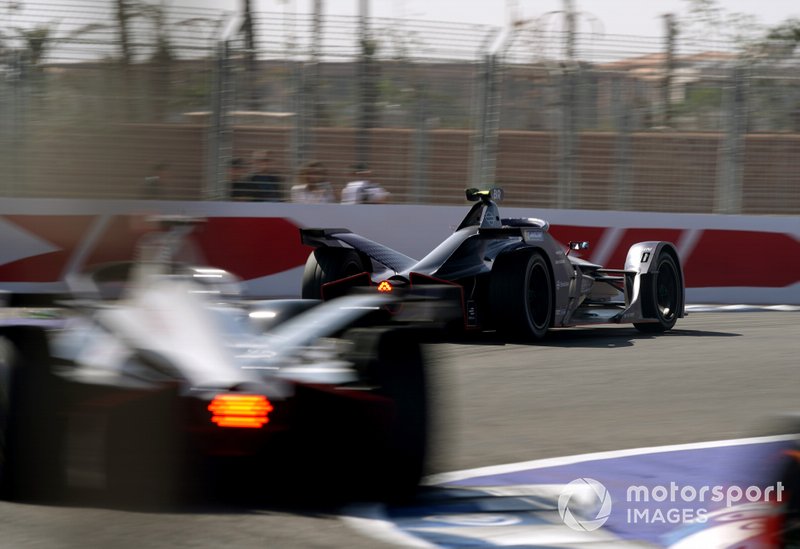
x=385 y=287
x=243 y=411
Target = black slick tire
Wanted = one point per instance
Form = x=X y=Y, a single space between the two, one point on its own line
x=31 y=422
x=326 y=265
x=665 y=297
x=521 y=294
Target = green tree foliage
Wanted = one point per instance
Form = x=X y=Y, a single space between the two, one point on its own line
x=37 y=42
x=707 y=19
x=788 y=31
x=785 y=37
x=157 y=17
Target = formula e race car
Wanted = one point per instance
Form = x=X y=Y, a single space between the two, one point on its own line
x=781 y=519
x=178 y=388
x=512 y=275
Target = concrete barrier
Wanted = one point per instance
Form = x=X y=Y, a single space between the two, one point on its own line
x=727 y=259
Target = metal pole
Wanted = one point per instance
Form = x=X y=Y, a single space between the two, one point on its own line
x=569 y=15
x=251 y=88
x=478 y=138
x=485 y=148
x=15 y=90
x=622 y=199
x=366 y=97
x=313 y=78
x=567 y=176
x=218 y=143
x=420 y=145
x=730 y=171
x=671 y=32
x=300 y=153
x=297 y=152
x=487 y=93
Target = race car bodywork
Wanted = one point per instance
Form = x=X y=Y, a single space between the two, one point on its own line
x=781 y=519
x=513 y=276
x=179 y=387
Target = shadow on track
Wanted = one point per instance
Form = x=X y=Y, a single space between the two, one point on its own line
x=244 y=500
x=595 y=337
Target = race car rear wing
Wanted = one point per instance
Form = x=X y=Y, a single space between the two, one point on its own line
x=343 y=238
x=319 y=238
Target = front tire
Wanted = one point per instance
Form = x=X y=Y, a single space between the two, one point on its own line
x=665 y=297
x=521 y=294
x=328 y=265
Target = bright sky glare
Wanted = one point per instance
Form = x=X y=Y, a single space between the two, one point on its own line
x=632 y=17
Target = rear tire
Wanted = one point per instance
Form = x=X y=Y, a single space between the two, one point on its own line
x=328 y=265
x=31 y=425
x=147 y=462
x=401 y=378
x=665 y=297
x=521 y=294
x=391 y=361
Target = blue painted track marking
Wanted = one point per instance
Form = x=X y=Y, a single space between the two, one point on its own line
x=517 y=505
x=700 y=308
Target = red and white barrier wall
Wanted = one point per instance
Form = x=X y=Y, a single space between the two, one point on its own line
x=726 y=259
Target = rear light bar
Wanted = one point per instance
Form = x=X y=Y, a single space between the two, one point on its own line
x=240 y=411
x=385 y=287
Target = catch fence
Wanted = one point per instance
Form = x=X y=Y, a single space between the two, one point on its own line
x=135 y=100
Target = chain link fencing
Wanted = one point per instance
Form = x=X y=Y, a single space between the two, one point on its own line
x=135 y=100
x=88 y=109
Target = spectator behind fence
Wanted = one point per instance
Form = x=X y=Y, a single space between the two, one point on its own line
x=260 y=185
x=238 y=177
x=363 y=190
x=312 y=185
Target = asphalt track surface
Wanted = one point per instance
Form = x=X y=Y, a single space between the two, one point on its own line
x=716 y=376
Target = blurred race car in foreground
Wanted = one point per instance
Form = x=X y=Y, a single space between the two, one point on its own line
x=511 y=274
x=177 y=387
x=782 y=523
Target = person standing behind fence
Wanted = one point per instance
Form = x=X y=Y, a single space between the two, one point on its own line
x=239 y=179
x=363 y=190
x=312 y=186
x=262 y=185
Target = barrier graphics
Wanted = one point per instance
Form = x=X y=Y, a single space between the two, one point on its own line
x=726 y=259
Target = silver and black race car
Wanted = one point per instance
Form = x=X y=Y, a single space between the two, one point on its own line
x=176 y=387
x=513 y=276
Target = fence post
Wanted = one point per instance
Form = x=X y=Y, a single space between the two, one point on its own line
x=299 y=139
x=419 y=145
x=367 y=85
x=622 y=198
x=730 y=163
x=306 y=110
x=218 y=141
x=567 y=184
x=252 y=92
x=567 y=174
x=313 y=80
x=14 y=92
x=484 y=139
x=484 y=149
x=671 y=32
